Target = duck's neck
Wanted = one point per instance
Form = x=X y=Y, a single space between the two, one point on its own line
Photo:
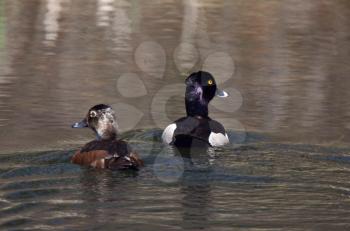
x=106 y=138
x=196 y=108
x=109 y=133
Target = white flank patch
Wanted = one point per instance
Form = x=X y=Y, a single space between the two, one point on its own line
x=168 y=133
x=218 y=139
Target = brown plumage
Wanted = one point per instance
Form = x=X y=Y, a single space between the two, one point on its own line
x=106 y=151
x=92 y=158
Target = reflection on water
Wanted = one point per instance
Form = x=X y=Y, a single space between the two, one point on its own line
x=287 y=59
x=284 y=61
x=52 y=16
x=2 y=25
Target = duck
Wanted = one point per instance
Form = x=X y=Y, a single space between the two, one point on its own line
x=197 y=128
x=106 y=151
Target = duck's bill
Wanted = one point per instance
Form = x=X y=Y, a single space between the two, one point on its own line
x=81 y=124
x=221 y=93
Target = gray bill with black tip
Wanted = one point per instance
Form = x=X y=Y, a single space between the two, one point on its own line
x=221 y=93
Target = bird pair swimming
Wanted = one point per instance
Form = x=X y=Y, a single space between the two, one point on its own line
x=196 y=129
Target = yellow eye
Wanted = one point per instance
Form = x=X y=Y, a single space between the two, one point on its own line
x=210 y=82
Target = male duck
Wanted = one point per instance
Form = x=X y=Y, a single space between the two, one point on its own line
x=106 y=151
x=197 y=127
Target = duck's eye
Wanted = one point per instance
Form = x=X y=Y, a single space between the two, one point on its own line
x=93 y=114
x=210 y=82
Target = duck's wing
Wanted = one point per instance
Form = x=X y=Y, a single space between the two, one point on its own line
x=123 y=157
x=123 y=162
x=92 y=154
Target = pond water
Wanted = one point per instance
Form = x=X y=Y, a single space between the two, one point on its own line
x=284 y=63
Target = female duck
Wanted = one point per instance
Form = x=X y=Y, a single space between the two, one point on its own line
x=106 y=151
x=197 y=128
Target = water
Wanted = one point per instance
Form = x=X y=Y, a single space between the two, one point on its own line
x=283 y=62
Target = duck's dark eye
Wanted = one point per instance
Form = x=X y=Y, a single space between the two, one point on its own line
x=93 y=114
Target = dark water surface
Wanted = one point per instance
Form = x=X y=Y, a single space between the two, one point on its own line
x=285 y=64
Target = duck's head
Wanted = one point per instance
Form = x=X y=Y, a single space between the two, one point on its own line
x=101 y=119
x=200 y=90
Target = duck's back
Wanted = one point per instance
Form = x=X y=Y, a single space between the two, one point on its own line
x=196 y=131
x=110 y=146
x=112 y=154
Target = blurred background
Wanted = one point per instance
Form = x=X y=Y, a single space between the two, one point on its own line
x=287 y=60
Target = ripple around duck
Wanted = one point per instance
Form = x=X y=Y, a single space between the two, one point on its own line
x=32 y=171
x=258 y=185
